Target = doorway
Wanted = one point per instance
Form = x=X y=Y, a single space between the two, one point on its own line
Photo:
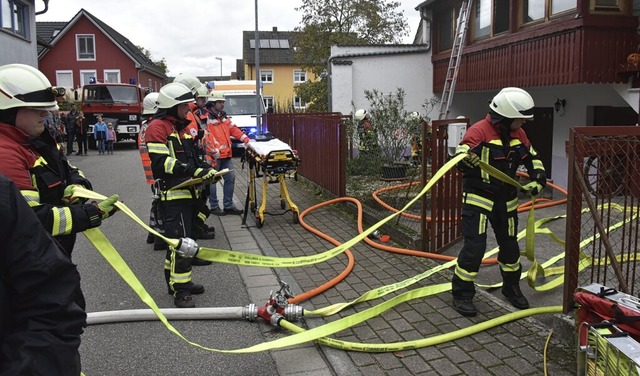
x=540 y=133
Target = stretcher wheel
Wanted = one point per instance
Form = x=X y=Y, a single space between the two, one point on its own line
x=296 y=219
x=259 y=222
x=283 y=204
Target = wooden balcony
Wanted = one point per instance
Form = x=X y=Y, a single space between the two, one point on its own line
x=570 y=51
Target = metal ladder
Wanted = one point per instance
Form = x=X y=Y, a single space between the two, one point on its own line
x=454 y=62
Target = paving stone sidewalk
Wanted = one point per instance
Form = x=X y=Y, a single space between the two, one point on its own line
x=515 y=348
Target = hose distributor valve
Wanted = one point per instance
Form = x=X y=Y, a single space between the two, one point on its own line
x=278 y=307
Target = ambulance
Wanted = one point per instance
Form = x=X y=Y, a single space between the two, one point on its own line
x=240 y=105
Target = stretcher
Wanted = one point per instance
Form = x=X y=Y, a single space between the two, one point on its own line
x=608 y=330
x=272 y=160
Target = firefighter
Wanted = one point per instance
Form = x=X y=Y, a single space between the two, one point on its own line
x=32 y=159
x=222 y=128
x=415 y=122
x=170 y=142
x=41 y=313
x=199 y=109
x=366 y=131
x=197 y=117
x=499 y=141
x=149 y=107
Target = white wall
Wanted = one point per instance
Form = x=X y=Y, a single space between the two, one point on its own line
x=18 y=50
x=579 y=99
x=386 y=73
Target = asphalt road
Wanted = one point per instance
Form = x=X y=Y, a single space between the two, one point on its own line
x=147 y=348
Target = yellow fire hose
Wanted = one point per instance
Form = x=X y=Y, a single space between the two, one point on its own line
x=318 y=334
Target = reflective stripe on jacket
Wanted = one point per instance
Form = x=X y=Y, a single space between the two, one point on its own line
x=144 y=153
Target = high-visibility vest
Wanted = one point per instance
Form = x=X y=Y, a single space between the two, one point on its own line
x=144 y=154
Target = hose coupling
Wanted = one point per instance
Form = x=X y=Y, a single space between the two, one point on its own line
x=187 y=247
x=293 y=312
x=275 y=319
x=250 y=312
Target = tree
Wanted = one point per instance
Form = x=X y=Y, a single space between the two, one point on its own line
x=160 y=64
x=339 y=22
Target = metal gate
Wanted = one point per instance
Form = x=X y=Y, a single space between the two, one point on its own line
x=603 y=227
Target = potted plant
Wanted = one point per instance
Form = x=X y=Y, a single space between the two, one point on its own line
x=393 y=129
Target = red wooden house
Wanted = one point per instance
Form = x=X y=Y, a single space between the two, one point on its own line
x=85 y=48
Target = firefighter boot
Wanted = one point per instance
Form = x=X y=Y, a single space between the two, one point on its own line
x=465 y=307
x=193 y=288
x=511 y=288
x=184 y=299
x=150 y=238
x=514 y=295
x=202 y=231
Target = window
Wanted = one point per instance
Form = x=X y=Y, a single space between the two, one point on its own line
x=266 y=75
x=85 y=47
x=607 y=5
x=112 y=76
x=446 y=28
x=299 y=76
x=298 y=103
x=490 y=17
x=532 y=10
x=64 y=78
x=14 y=16
x=268 y=103
x=559 y=6
x=540 y=10
x=87 y=77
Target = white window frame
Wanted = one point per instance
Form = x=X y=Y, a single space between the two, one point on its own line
x=59 y=73
x=266 y=76
x=268 y=101
x=110 y=71
x=93 y=39
x=17 y=20
x=544 y=10
x=299 y=76
x=89 y=73
x=298 y=104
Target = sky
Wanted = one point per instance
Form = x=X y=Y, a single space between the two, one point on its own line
x=190 y=34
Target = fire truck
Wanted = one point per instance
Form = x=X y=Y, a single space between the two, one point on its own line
x=118 y=104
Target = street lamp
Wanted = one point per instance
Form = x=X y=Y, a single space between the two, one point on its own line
x=219 y=58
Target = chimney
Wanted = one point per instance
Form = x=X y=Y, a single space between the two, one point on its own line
x=275 y=28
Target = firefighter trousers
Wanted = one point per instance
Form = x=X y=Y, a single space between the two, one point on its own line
x=178 y=218
x=474 y=232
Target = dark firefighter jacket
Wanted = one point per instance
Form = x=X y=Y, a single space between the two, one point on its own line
x=504 y=151
x=172 y=149
x=40 y=318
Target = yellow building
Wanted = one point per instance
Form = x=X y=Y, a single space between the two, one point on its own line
x=278 y=71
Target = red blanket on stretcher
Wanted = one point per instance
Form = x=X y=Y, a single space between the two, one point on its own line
x=598 y=307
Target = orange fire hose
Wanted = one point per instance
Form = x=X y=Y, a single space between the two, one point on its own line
x=540 y=203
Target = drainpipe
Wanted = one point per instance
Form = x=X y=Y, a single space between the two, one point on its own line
x=329 y=105
x=46 y=8
x=426 y=30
